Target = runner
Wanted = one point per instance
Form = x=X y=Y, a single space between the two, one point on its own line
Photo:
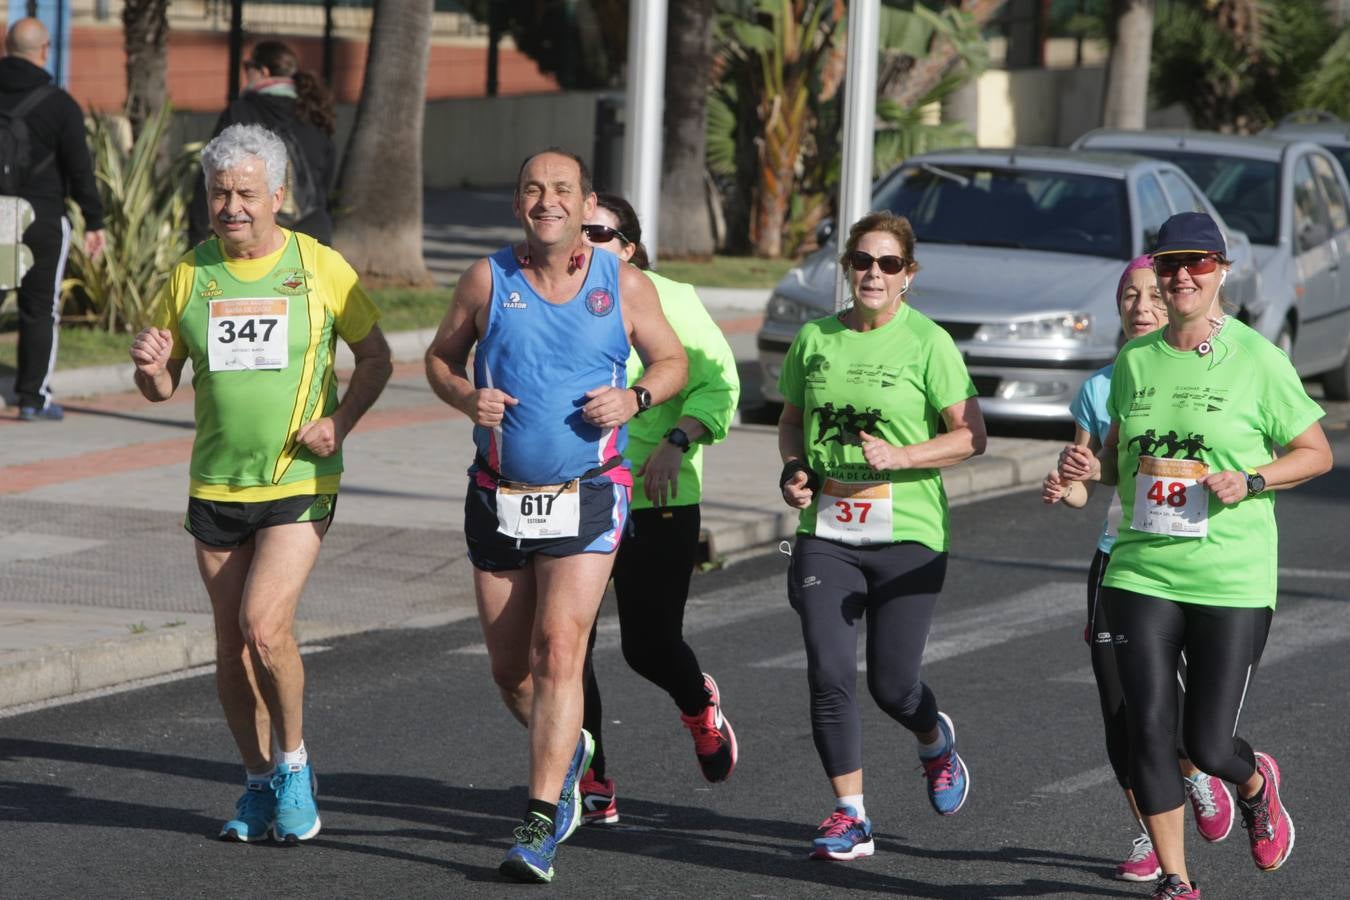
x=1141 y=312
x=258 y=310
x=1195 y=569
x=548 y=493
x=873 y=534
x=657 y=558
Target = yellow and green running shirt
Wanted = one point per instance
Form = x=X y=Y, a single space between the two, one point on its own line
x=892 y=382
x=1228 y=410
x=288 y=308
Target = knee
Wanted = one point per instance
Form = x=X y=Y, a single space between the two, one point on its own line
x=266 y=640
x=899 y=699
x=558 y=655
x=1210 y=752
x=640 y=651
x=509 y=676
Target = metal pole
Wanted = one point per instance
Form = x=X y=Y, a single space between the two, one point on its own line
x=495 y=16
x=860 y=107
x=236 y=49
x=644 y=105
x=328 y=42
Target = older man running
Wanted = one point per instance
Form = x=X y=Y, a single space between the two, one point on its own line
x=548 y=494
x=258 y=310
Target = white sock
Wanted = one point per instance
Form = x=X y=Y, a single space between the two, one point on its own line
x=296 y=759
x=853 y=800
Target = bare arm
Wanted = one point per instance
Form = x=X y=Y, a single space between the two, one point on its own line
x=1073 y=494
x=1308 y=456
x=965 y=437
x=369 y=376
x=792 y=446
x=1079 y=464
x=448 y=356
x=157 y=375
x=663 y=357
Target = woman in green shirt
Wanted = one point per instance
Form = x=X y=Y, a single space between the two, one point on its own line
x=865 y=393
x=1196 y=409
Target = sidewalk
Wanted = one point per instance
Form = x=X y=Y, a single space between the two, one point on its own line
x=97 y=582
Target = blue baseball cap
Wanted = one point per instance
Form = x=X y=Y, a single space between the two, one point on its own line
x=1190 y=232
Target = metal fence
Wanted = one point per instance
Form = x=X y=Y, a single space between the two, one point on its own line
x=351 y=18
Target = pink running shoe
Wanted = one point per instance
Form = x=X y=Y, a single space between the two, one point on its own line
x=1268 y=824
x=1141 y=864
x=714 y=741
x=598 y=804
x=1212 y=805
x=1171 y=887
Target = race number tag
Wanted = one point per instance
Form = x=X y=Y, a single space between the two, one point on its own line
x=247 y=334
x=855 y=512
x=539 y=510
x=1168 y=500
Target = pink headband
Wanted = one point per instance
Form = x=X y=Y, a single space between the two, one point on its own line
x=1139 y=262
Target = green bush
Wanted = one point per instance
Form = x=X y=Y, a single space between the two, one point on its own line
x=145 y=201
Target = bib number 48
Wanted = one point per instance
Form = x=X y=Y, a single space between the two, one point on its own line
x=1175 y=494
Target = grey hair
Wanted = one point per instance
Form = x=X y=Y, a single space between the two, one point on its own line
x=239 y=143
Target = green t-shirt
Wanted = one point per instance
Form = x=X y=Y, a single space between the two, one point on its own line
x=1227 y=410
x=892 y=382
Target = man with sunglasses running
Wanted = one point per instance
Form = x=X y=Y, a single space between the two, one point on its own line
x=553 y=323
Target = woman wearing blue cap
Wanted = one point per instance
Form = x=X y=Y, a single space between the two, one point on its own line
x=1196 y=408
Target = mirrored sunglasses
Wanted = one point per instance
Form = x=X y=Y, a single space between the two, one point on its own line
x=1168 y=266
x=862 y=261
x=603 y=234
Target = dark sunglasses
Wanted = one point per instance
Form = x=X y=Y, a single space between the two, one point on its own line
x=603 y=234
x=1168 y=266
x=891 y=265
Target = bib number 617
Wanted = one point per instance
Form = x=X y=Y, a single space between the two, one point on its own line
x=1173 y=495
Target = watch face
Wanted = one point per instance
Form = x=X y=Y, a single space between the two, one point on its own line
x=1256 y=484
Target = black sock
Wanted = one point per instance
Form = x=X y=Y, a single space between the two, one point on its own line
x=542 y=808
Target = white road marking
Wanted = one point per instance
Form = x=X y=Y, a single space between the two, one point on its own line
x=1080 y=782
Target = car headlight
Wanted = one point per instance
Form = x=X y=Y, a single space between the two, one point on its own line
x=785 y=310
x=1070 y=326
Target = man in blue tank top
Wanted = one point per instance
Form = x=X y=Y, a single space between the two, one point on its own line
x=547 y=502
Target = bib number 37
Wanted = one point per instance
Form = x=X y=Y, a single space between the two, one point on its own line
x=855 y=512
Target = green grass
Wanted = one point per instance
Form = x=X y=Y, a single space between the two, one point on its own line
x=726 y=271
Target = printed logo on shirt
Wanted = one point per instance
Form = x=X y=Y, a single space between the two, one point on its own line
x=845 y=423
x=872 y=374
x=1199 y=399
x=599 y=302
x=513 y=301
x=1141 y=402
x=294 y=281
x=211 y=289
x=816 y=367
x=1170 y=445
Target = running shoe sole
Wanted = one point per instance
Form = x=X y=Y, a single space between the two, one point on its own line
x=587 y=755
x=521 y=871
x=231 y=835
x=1289 y=848
x=297 y=837
x=1139 y=879
x=858 y=852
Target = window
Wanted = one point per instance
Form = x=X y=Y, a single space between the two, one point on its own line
x=1244 y=191
x=1153 y=211
x=1311 y=225
x=1185 y=198
x=1331 y=191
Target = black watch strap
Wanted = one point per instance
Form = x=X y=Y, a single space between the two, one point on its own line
x=644 y=399
x=678 y=437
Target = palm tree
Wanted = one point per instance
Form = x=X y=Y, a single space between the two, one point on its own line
x=145 y=34
x=1127 y=68
x=379 y=227
x=686 y=224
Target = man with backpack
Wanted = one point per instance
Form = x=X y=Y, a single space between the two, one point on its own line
x=43 y=157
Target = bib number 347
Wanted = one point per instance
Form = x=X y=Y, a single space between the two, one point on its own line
x=1168 y=498
x=247 y=334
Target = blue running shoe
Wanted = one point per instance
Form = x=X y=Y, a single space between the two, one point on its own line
x=531 y=859
x=297 y=815
x=843 y=836
x=948 y=778
x=253 y=815
x=569 y=801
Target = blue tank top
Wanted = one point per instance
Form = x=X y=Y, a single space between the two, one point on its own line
x=547 y=356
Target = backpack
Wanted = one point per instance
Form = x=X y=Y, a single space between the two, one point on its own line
x=16 y=148
x=305 y=196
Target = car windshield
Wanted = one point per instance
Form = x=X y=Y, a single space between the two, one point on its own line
x=1244 y=191
x=1342 y=155
x=1003 y=207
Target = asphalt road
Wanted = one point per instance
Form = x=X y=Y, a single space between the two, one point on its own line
x=421 y=771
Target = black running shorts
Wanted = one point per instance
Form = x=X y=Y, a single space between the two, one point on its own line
x=226 y=524
x=604 y=513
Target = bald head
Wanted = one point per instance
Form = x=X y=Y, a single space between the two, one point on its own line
x=27 y=38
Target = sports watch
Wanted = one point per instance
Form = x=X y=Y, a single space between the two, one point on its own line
x=677 y=437
x=644 y=399
x=1256 y=482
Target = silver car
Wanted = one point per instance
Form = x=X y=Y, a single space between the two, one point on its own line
x=1292 y=199
x=1020 y=251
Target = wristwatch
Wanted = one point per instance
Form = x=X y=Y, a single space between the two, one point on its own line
x=644 y=399
x=1256 y=482
x=677 y=437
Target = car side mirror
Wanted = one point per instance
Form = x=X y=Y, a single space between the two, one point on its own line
x=824 y=231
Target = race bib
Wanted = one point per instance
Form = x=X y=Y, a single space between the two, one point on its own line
x=1168 y=499
x=539 y=511
x=247 y=334
x=855 y=512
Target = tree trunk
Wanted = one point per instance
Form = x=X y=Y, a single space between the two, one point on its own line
x=927 y=72
x=686 y=221
x=1126 y=103
x=145 y=34
x=379 y=230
